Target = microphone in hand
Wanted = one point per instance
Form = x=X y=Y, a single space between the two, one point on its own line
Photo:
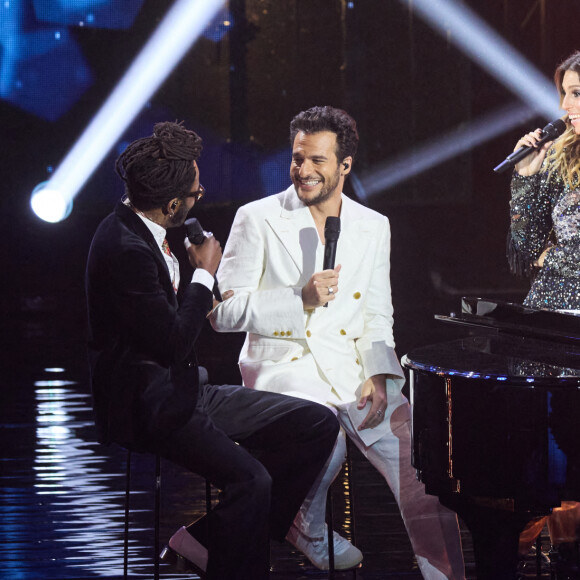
x=194 y=231
x=196 y=235
x=550 y=132
x=331 y=234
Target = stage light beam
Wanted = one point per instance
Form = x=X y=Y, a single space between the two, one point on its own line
x=439 y=150
x=183 y=24
x=489 y=50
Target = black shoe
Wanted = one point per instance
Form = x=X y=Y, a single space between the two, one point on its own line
x=182 y=564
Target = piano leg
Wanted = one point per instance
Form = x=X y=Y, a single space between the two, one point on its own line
x=495 y=534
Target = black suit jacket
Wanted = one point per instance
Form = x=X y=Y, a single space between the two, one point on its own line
x=144 y=373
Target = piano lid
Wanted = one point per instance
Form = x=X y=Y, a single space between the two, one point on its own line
x=507 y=359
x=516 y=319
x=522 y=346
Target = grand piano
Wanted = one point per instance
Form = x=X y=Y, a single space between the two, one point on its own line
x=496 y=422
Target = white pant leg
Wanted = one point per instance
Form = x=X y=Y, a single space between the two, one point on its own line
x=311 y=518
x=432 y=528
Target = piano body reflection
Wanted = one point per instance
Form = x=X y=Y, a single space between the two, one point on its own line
x=496 y=422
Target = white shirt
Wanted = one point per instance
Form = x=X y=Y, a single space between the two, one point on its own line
x=200 y=275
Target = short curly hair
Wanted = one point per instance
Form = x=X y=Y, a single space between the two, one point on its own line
x=337 y=121
x=159 y=168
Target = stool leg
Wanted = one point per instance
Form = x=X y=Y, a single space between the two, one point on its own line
x=157 y=510
x=126 y=529
x=350 y=498
x=330 y=519
x=330 y=526
x=207 y=496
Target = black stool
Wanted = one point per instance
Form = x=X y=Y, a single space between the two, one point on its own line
x=203 y=379
x=157 y=510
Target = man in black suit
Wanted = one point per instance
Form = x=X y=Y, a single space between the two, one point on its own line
x=262 y=450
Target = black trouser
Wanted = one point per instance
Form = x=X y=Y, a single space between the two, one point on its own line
x=283 y=444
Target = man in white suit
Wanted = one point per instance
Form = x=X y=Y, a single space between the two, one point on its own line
x=326 y=335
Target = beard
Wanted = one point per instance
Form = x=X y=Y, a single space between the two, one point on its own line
x=179 y=216
x=325 y=193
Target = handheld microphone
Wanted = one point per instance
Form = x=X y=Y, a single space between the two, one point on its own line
x=196 y=236
x=550 y=132
x=331 y=233
x=194 y=231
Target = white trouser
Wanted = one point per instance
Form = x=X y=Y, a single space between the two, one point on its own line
x=432 y=528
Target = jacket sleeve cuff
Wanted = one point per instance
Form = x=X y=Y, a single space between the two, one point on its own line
x=381 y=359
x=202 y=276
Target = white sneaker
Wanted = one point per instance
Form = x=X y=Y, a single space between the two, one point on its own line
x=345 y=554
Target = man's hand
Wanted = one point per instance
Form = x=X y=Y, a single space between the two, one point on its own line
x=207 y=255
x=321 y=288
x=374 y=389
x=227 y=294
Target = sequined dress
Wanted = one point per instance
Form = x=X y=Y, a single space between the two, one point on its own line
x=546 y=211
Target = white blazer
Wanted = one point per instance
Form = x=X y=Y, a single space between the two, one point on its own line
x=272 y=251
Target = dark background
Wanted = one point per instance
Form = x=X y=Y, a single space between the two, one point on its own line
x=404 y=83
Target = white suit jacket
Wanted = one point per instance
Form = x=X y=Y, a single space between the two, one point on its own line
x=272 y=251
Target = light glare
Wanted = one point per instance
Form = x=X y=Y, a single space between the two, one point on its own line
x=50 y=205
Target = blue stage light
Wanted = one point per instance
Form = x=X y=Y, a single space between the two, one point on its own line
x=42 y=70
x=220 y=25
x=89 y=13
x=182 y=25
x=275 y=172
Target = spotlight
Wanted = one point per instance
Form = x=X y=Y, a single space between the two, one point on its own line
x=49 y=204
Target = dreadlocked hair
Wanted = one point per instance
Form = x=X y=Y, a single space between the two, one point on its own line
x=564 y=157
x=159 y=168
x=337 y=121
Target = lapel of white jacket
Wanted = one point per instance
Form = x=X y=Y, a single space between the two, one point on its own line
x=295 y=228
x=355 y=236
x=296 y=231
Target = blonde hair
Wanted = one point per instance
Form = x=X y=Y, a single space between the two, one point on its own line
x=563 y=158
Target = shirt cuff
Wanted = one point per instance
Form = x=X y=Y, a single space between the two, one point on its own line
x=202 y=276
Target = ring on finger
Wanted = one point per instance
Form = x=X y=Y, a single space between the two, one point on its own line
x=330 y=290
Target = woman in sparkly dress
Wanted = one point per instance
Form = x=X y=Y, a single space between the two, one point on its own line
x=545 y=206
x=544 y=243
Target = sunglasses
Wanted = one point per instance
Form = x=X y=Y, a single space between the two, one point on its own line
x=199 y=193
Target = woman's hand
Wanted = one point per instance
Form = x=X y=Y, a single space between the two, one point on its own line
x=540 y=261
x=531 y=164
